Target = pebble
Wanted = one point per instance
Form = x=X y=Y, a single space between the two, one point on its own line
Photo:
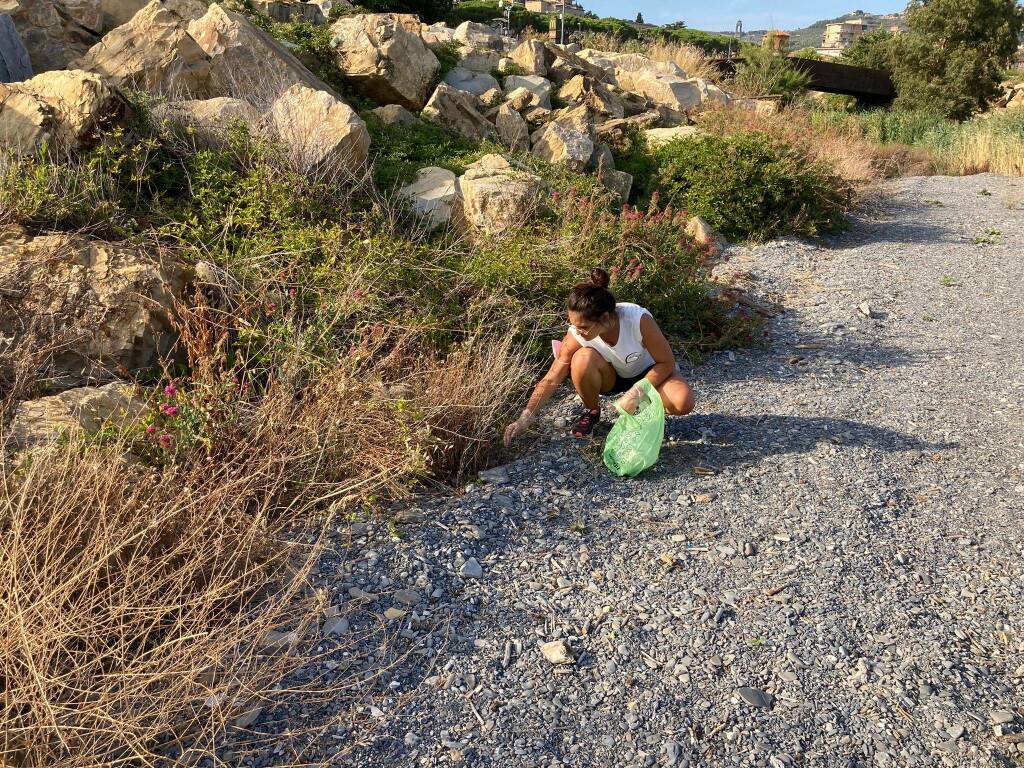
x=471 y=569
x=755 y=697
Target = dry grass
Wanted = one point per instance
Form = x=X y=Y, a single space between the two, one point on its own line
x=137 y=595
x=841 y=146
x=985 y=146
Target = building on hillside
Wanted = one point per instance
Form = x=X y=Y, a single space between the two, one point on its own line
x=776 y=39
x=552 y=6
x=842 y=35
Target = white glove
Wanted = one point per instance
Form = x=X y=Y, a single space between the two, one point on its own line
x=518 y=426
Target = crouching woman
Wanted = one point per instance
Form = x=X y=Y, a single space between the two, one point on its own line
x=609 y=347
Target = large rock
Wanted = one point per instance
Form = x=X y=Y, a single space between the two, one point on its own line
x=104 y=307
x=563 y=145
x=657 y=136
x=210 y=120
x=65 y=107
x=539 y=86
x=51 y=35
x=14 y=62
x=522 y=98
x=675 y=93
x=87 y=13
x=583 y=89
x=433 y=195
x=246 y=61
x=496 y=198
x=579 y=118
x=477 y=83
x=436 y=35
x=153 y=52
x=564 y=64
x=530 y=58
x=512 y=129
x=84 y=409
x=395 y=114
x=479 y=59
x=615 y=63
x=472 y=34
x=319 y=131
x=459 y=112
x=384 y=57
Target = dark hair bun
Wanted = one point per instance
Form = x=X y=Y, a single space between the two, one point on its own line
x=599 y=278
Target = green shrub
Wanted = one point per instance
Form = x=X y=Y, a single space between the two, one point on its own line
x=765 y=73
x=448 y=56
x=398 y=152
x=751 y=188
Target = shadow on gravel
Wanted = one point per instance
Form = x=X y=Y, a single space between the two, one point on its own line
x=796 y=353
x=729 y=440
x=896 y=232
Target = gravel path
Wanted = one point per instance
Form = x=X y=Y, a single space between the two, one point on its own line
x=825 y=568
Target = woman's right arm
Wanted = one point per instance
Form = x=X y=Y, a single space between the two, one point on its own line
x=546 y=387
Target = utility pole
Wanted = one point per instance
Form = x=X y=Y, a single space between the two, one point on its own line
x=562 y=32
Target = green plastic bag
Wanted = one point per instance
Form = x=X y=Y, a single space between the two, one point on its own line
x=634 y=441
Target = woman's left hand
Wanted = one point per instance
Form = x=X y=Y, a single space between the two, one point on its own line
x=629 y=401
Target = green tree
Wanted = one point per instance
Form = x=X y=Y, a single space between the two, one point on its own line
x=875 y=50
x=951 y=61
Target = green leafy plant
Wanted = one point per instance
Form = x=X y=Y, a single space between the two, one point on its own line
x=751 y=188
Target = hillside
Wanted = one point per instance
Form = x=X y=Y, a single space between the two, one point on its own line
x=810 y=36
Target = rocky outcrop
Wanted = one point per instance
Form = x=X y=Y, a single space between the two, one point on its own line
x=512 y=129
x=563 y=145
x=51 y=35
x=153 y=52
x=459 y=112
x=530 y=58
x=433 y=195
x=497 y=198
x=84 y=409
x=105 y=308
x=319 y=131
x=87 y=13
x=539 y=86
x=476 y=83
x=383 y=56
x=14 y=62
x=703 y=233
x=245 y=61
x=64 y=107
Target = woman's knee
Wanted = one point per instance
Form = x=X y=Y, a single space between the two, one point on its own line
x=585 y=360
x=678 y=397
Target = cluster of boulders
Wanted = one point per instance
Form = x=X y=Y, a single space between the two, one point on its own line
x=1012 y=96
x=104 y=310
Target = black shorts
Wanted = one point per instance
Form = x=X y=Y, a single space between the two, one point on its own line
x=625 y=384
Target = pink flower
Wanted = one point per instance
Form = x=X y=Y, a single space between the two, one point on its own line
x=292 y=292
x=150 y=430
x=165 y=440
x=170 y=390
x=555 y=195
x=358 y=294
x=271 y=307
x=169 y=410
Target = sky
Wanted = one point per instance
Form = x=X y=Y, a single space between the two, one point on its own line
x=721 y=16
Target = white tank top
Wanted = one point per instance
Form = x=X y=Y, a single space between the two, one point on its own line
x=628 y=357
